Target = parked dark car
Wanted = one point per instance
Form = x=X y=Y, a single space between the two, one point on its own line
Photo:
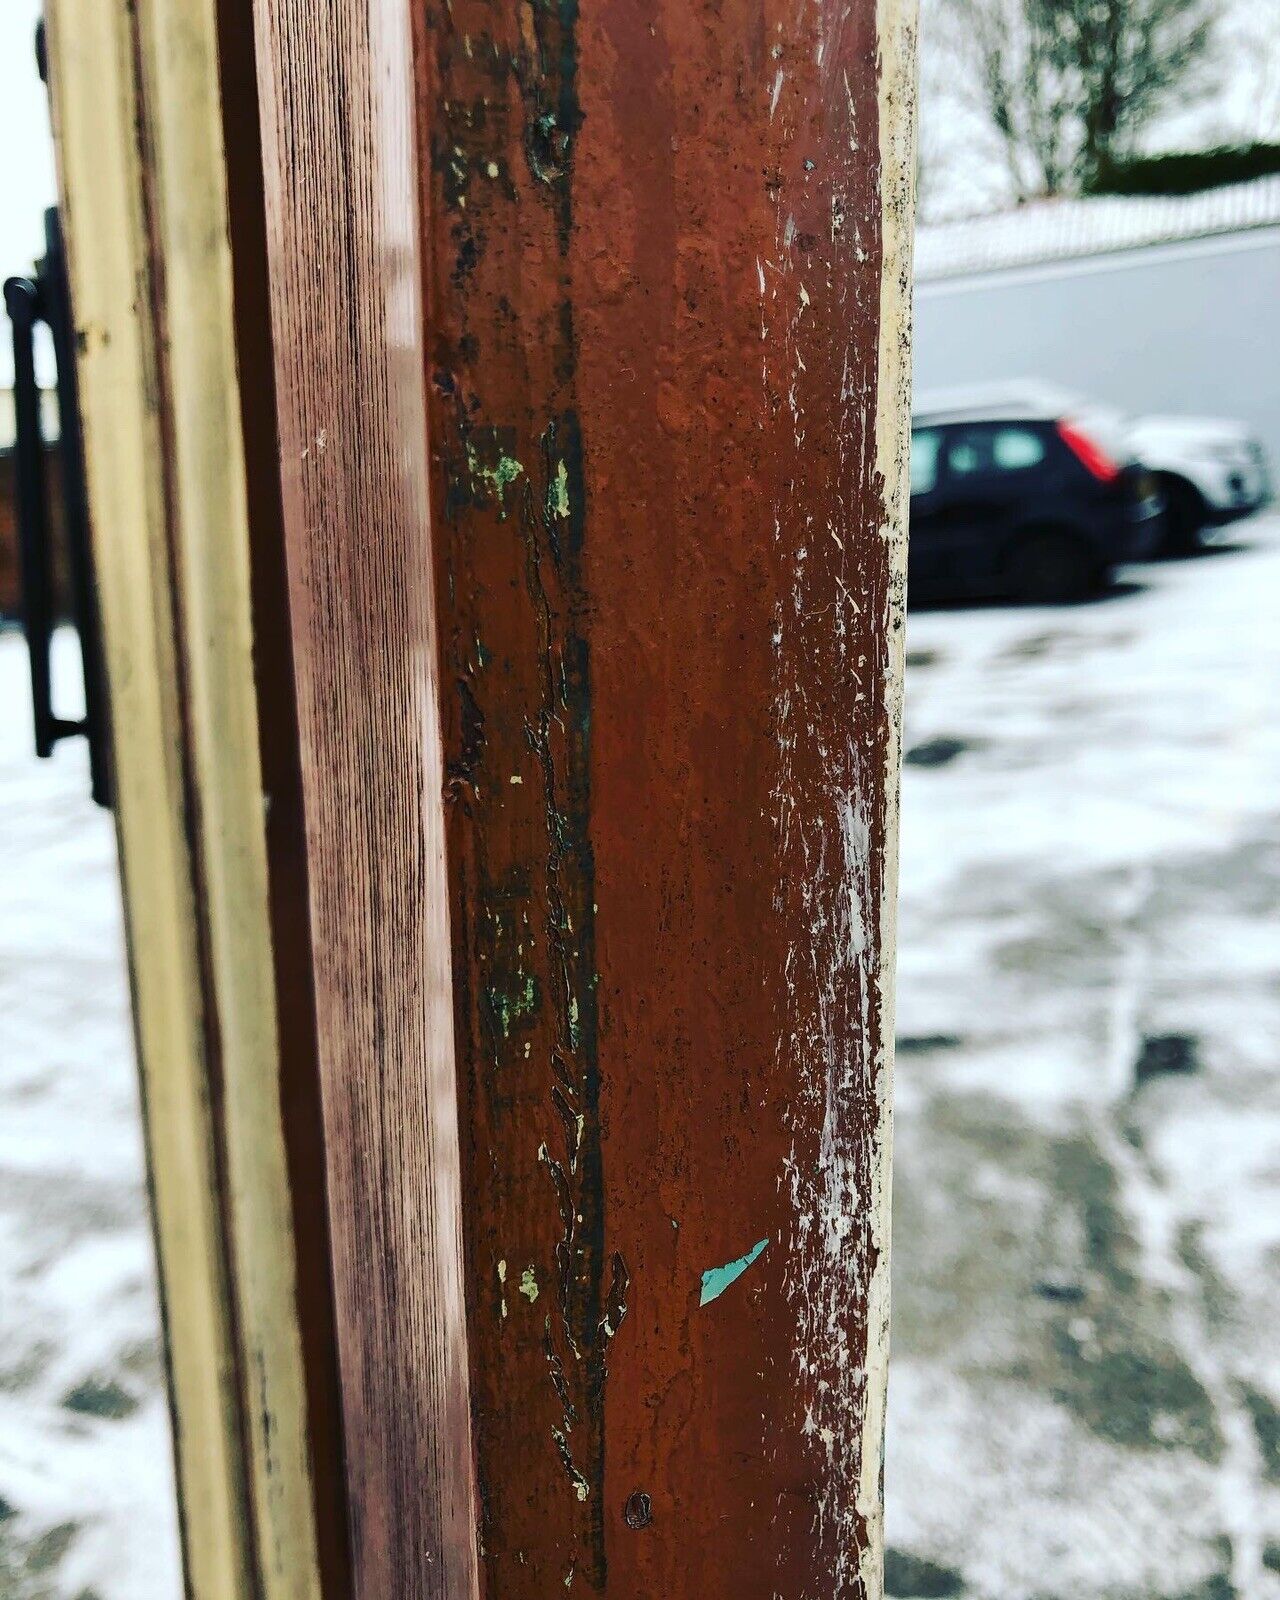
x=1016 y=498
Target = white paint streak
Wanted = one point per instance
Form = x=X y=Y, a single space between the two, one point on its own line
x=896 y=32
x=840 y=1207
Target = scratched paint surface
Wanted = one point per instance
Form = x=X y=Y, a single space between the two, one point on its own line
x=666 y=578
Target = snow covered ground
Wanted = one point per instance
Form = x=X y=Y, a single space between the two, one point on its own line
x=1085 y=1384
x=86 y=1487
x=1085 y=1391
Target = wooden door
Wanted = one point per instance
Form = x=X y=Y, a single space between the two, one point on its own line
x=526 y=555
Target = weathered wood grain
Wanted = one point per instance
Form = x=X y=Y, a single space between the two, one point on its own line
x=95 y=92
x=281 y=812
x=339 y=165
x=209 y=519
x=508 y=647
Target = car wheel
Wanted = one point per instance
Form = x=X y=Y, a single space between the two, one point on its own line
x=1051 y=565
x=1184 y=518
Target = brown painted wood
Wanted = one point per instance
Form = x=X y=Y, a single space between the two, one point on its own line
x=590 y=340
x=669 y=595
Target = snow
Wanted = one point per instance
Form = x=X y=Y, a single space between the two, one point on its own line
x=85 y=1463
x=1083 y=1401
x=1070 y=229
x=1084 y=1394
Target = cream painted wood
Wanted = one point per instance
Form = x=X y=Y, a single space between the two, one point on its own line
x=143 y=182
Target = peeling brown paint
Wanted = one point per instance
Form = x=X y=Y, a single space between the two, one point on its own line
x=654 y=286
x=499 y=94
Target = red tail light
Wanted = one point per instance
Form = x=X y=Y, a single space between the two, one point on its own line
x=1092 y=457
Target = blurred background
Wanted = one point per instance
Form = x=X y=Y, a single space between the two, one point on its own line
x=1085 y=1391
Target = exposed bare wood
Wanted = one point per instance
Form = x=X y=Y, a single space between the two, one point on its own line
x=578 y=582
x=340 y=169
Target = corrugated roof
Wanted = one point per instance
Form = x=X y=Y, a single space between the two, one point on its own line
x=1066 y=230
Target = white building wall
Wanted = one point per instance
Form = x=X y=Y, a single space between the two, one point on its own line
x=1192 y=327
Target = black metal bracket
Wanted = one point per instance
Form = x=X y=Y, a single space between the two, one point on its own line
x=30 y=301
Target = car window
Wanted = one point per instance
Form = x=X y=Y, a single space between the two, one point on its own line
x=994 y=448
x=926 y=445
x=969 y=452
x=1013 y=449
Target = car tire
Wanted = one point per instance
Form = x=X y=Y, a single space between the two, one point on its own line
x=1184 y=517
x=1051 y=565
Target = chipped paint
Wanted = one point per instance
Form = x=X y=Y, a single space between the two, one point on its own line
x=897 y=28
x=498 y=477
x=558 y=493
x=717 y=1279
x=694 y=572
x=837 y=640
x=502 y=119
x=581 y=1487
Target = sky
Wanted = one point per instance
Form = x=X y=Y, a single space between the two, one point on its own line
x=1236 y=100
x=26 y=175
x=26 y=172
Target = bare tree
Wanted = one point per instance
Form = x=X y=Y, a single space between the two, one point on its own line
x=1128 y=59
x=1015 y=79
x=1070 y=84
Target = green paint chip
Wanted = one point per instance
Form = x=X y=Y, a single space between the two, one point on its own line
x=497 y=477
x=559 y=495
x=717 y=1279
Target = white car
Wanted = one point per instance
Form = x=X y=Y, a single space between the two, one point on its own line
x=1211 y=471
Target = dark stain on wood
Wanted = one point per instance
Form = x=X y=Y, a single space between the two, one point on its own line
x=510 y=535
x=632 y=887
x=665 y=598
